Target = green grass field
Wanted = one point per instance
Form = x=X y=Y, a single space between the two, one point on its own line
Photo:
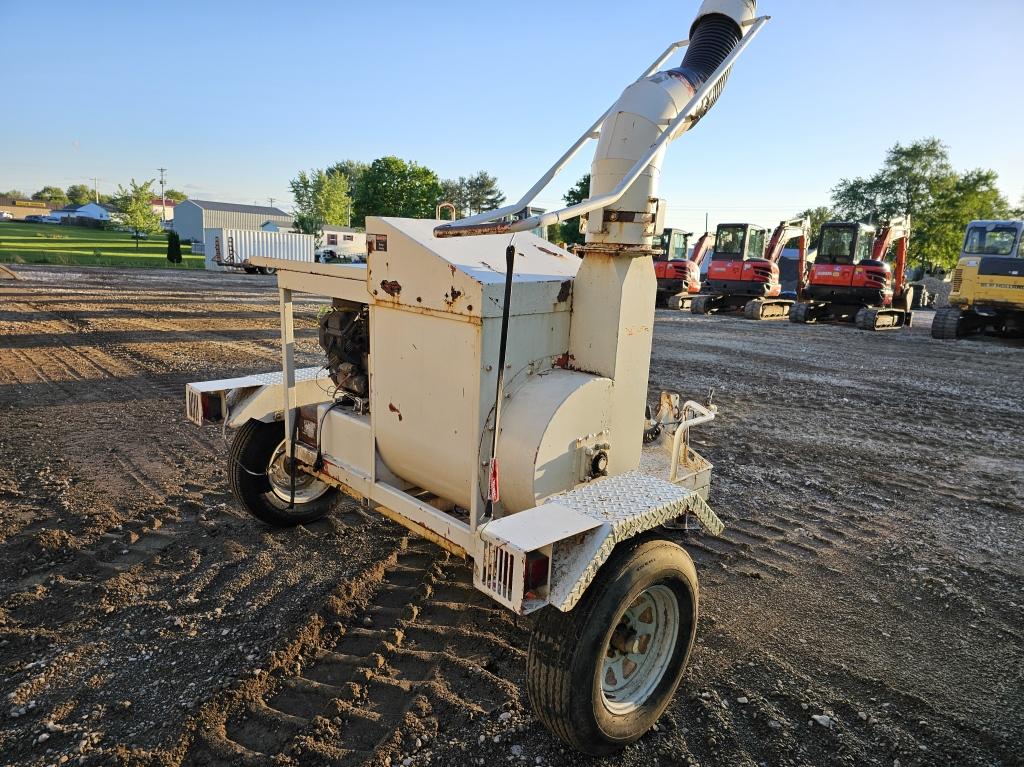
x=79 y=246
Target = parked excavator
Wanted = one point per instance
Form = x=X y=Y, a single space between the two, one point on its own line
x=673 y=270
x=773 y=305
x=738 y=270
x=988 y=284
x=679 y=276
x=851 y=281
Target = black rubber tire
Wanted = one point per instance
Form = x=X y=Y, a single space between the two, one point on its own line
x=566 y=649
x=253 y=446
x=948 y=324
x=268 y=270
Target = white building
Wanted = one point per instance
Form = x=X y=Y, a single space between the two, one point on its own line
x=191 y=217
x=160 y=206
x=93 y=210
x=344 y=241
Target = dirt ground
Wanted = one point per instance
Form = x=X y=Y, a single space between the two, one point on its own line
x=865 y=605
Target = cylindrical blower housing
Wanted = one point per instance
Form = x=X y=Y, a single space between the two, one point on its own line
x=641 y=113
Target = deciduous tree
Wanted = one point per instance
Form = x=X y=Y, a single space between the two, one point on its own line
x=52 y=195
x=919 y=180
x=134 y=209
x=579 y=192
x=393 y=187
x=175 y=195
x=321 y=198
x=818 y=216
x=80 y=194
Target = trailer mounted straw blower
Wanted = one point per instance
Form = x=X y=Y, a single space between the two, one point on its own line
x=488 y=390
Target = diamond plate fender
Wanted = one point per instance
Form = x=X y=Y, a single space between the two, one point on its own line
x=627 y=505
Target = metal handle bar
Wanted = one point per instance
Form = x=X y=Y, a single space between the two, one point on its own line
x=483 y=223
x=681 y=438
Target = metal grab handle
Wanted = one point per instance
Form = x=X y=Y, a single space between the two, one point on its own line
x=705 y=415
x=483 y=223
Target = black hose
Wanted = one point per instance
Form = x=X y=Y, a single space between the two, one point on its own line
x=712 y=38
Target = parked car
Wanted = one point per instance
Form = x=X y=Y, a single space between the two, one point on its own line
x=5 y=216
x=34 y=219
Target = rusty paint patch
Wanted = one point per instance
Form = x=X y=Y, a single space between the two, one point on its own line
x=395 y=410
x=452 y=296
x=564 y=361
x=554 y=253
x=565 y=291
x=391 y=287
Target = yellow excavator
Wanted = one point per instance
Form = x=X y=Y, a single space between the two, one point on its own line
x=988 y=284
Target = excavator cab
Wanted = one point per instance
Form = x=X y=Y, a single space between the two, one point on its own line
x=739 y=268
x=674 y=245
x=842 y=244
x=675 y=273
x=739 y=242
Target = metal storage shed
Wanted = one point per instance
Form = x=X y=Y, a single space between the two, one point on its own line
x=191 y=217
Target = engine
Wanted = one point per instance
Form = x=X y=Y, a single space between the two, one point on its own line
x=345 y=338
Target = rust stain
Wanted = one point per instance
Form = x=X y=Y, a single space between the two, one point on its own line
x=391 y=287
x=554 y=253
x=565 y=291
x=452 y=267
x=395 y=410
x=564 y=361
x=452 y=296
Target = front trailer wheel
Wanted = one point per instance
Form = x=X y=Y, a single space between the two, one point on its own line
x=600 y=675
x=260 y=479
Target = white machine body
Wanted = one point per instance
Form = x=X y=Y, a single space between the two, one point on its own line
x=574 y=476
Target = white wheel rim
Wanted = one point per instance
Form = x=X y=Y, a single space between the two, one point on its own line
x=307 y=487
x=640 y=649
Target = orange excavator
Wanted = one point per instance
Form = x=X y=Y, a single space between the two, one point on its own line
x=679 y=276
x=672 y=267
x=776 y=307
x=744 y=275
x=851 y=281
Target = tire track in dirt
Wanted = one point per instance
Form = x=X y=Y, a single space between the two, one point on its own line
x=404 y=654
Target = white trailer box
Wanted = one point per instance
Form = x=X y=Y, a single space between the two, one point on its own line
x=229 y=249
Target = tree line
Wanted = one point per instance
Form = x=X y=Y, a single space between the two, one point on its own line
x=345 y=193
x=77 y=195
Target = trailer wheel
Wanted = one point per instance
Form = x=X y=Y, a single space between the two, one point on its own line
x=600 y=675
x=267 y=270
x=250 y=269
x=258 y=472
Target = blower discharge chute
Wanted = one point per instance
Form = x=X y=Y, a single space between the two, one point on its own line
x=487 y=390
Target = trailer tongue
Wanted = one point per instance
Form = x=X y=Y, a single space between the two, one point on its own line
x=487 y=392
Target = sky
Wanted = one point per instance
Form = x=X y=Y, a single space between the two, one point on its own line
x=233 y=98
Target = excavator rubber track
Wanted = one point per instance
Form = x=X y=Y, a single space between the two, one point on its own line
x=802 y=313
x=680 y=303
x=767 y=309
x=703 y=305
x=871 y=318
x=947 y=324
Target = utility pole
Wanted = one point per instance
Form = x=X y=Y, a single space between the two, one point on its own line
x=163 y=198
x=271 y=201
x=95 y=189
